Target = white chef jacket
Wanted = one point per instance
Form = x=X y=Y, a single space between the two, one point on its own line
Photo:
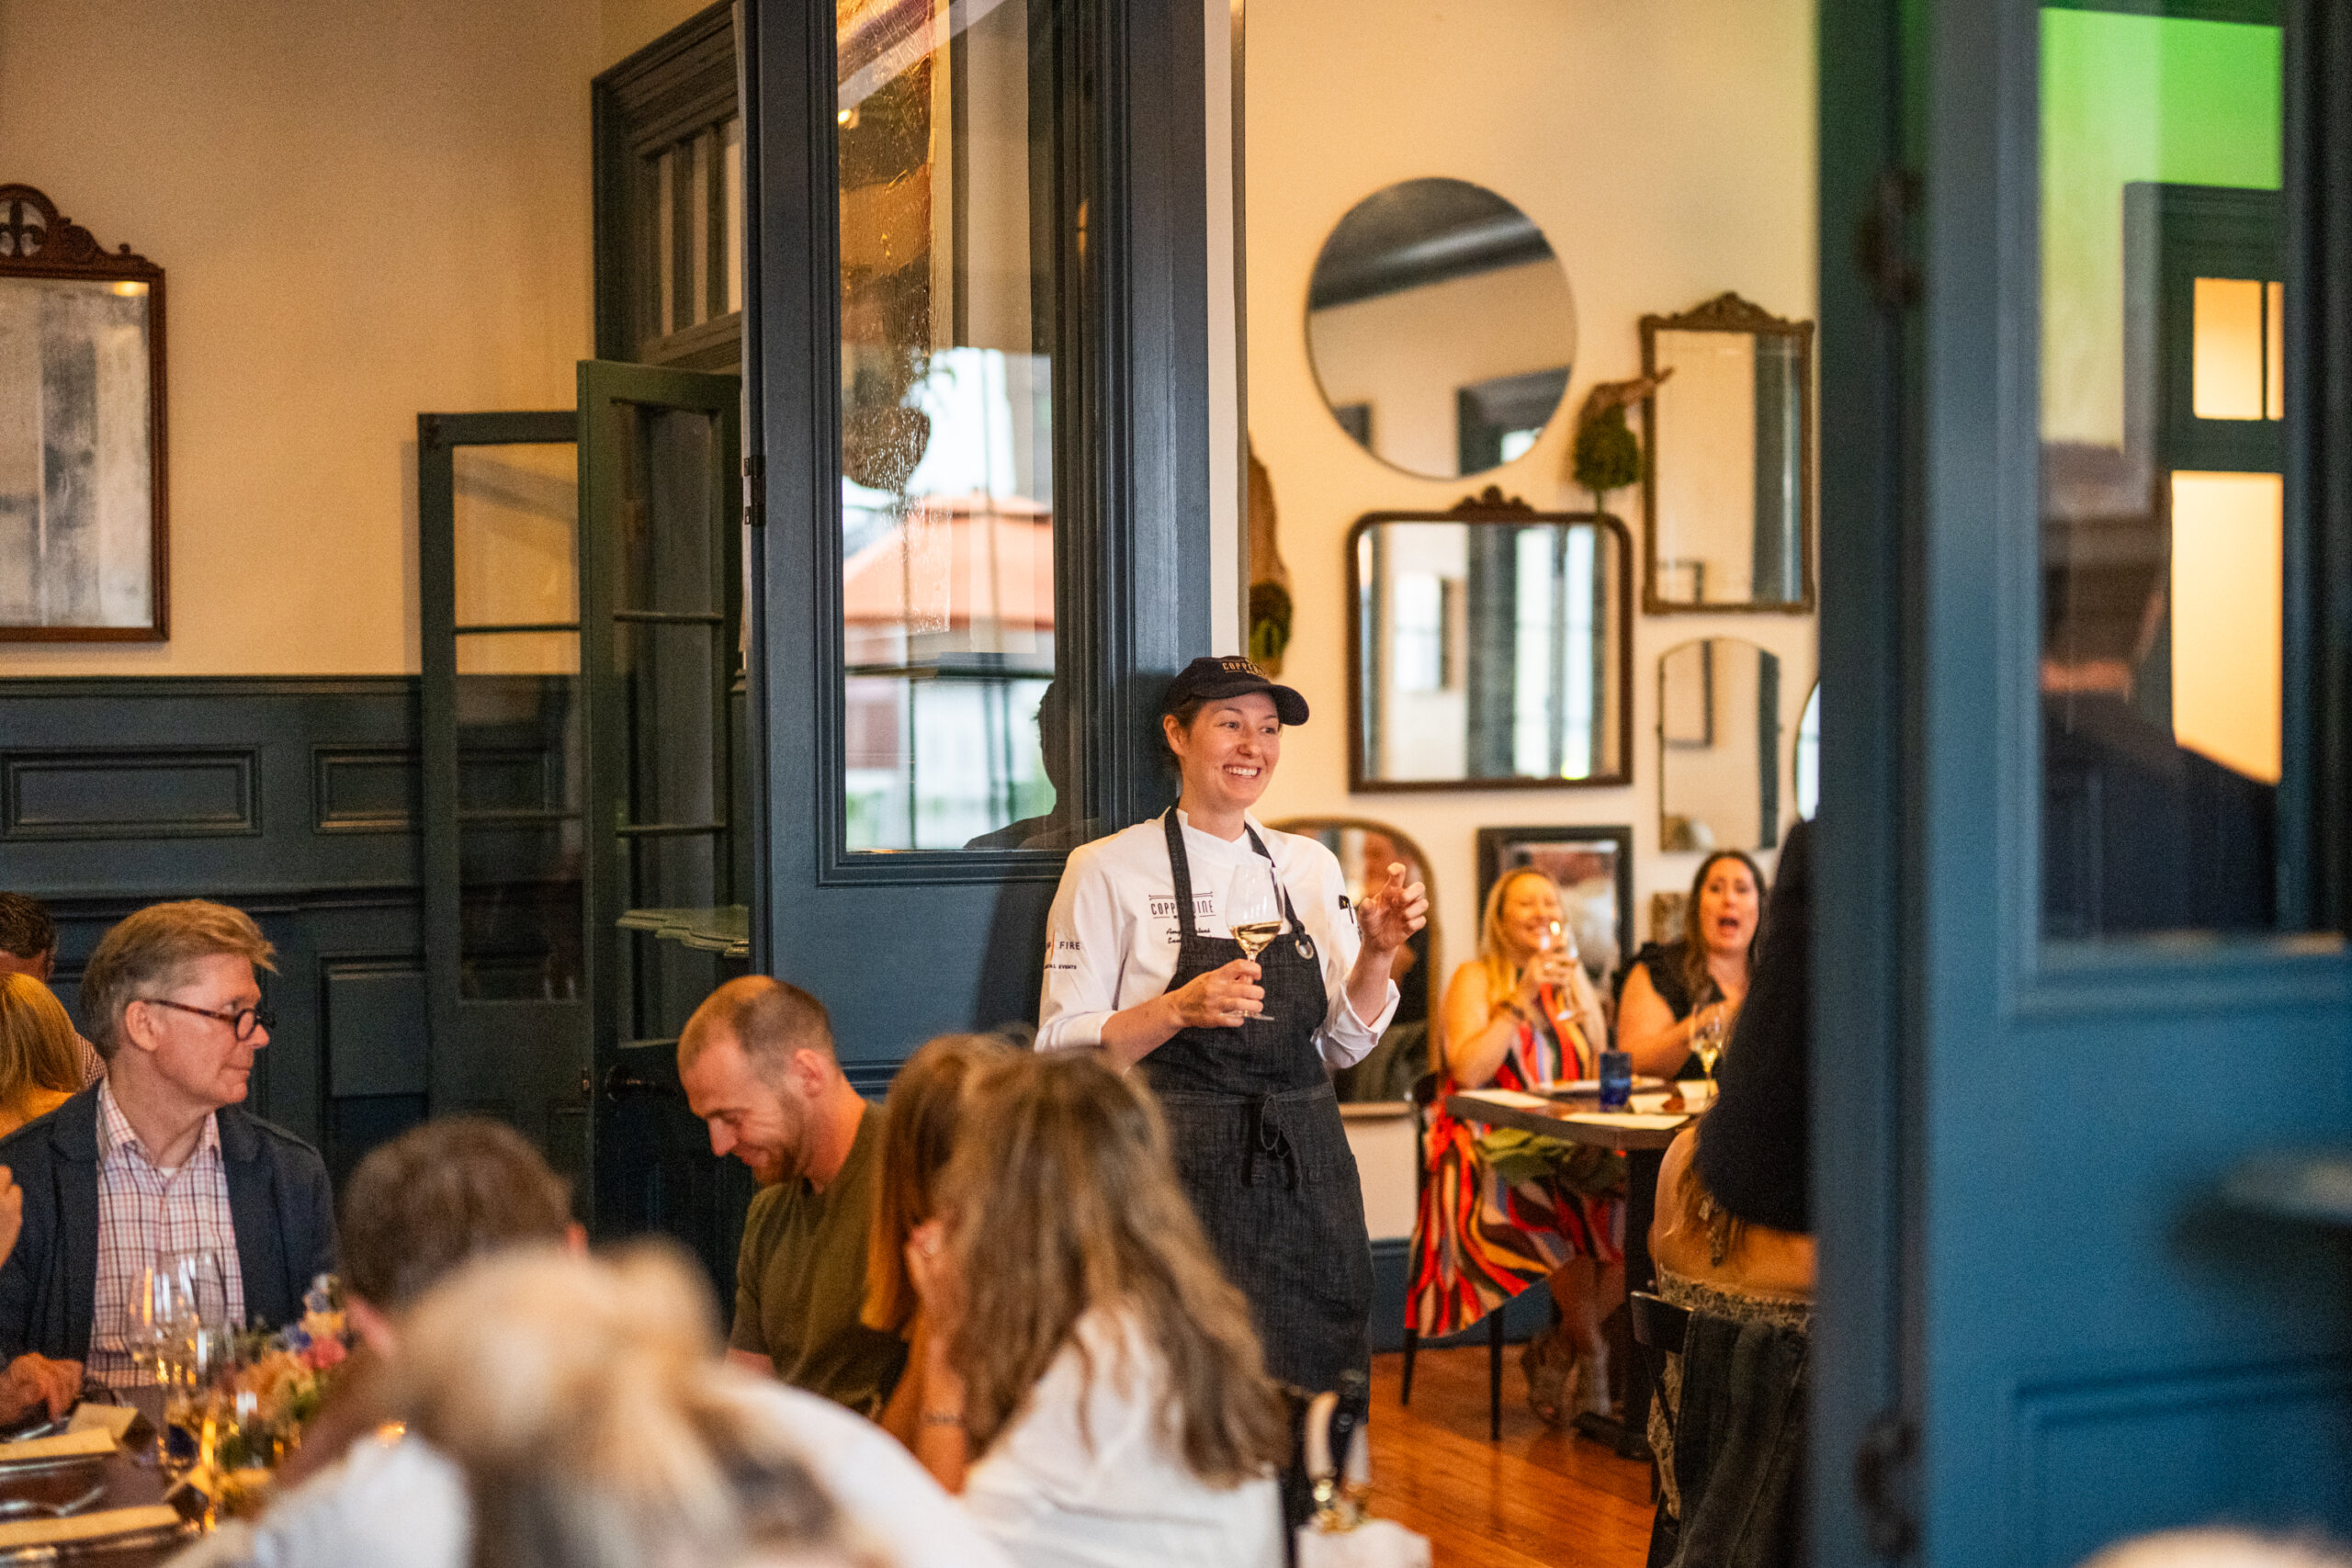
x=1111 y=939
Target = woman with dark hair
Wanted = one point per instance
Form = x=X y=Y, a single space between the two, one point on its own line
x=1094 y=1387
x=919 y=1130
x=1237 y=1017
x=1675 y=989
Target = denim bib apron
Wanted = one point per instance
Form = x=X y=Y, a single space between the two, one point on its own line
x=1262 y=1150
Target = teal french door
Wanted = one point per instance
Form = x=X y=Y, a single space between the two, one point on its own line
x=2082 y=833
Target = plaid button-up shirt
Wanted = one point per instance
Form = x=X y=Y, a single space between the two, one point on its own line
x=147 y=1215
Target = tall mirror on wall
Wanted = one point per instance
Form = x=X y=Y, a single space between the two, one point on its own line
x=1719 y=746
x=1366 y=849
x=1728 y=489
x=1489 y=646
x=1440 y=326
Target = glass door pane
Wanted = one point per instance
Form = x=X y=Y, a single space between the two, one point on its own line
x=955 y=725
x=506 y=952
x=2162 y=520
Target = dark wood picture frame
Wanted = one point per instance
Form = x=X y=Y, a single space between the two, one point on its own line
x=1496 y=856
x=1489 y=506
x=38 y=242
x=1727 y=312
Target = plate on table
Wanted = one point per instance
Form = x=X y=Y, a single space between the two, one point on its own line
x=1576 y=1088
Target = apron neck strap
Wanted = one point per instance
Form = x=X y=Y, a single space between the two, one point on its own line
x=1179 y=869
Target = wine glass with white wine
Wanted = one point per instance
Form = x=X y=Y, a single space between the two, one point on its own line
x=1253 y=907
x=1707 y=1043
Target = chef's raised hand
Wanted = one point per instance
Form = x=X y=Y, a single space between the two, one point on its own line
x=1222 y=999
x=1390 y=917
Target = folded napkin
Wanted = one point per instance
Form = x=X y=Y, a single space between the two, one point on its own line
x=1512 y=1098
x=18 y=1533
x=112 y=1419
x=92 y=1442
x=1628 y=1119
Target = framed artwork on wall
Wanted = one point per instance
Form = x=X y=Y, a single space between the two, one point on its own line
x=82 y=492
x=1593 y=868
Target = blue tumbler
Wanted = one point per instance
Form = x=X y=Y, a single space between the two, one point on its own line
x=1616 y=1079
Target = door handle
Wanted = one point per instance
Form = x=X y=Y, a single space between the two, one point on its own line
x=622 y=1084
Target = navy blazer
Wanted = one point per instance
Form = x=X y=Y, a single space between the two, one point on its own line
x=279 y=1199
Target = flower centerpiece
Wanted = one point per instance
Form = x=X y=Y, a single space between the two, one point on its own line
x=254 y=1413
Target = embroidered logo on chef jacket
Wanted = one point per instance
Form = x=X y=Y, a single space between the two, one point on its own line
x=1164 y=907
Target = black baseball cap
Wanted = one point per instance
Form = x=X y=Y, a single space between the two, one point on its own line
x=1231 y=676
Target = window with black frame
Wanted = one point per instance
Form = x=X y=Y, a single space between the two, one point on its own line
x=669 y=140
x=956 y=721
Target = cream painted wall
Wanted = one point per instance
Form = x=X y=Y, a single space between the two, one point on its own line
x=365 y=212
x=1667 y=151
x=629 y=25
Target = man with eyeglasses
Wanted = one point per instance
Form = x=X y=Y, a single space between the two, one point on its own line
x=157 y=1161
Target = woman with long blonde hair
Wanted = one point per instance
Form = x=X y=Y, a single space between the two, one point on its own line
x=39 y=1071
x=1093 y=1386
x=918 y=1129
x=1520 y=1015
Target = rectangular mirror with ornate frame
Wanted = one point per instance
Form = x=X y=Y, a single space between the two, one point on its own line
x=1490 y=647
x=81 y=432
x=1728 y=486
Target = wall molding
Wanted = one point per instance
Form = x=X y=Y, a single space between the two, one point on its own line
x=129 y=792
x=350 y=792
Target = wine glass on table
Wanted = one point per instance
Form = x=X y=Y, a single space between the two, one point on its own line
x=203 y=1345
x=1707 y=1043
x=156 y=1339
x=1555 y=950
x=1253 y=907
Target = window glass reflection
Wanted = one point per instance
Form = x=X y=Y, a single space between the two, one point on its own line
x=948 y=277
x=2162 y=520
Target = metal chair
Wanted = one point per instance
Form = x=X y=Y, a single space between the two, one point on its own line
x=1659 y=1327
x=1424 y=1094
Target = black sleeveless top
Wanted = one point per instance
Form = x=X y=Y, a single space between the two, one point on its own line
x=1664 y=961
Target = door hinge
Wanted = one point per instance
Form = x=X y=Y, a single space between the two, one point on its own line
x=1883 y=1483
x=755 y=502
x=1883 y=243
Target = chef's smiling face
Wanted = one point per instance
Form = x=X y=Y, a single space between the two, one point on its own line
x=1229 y=754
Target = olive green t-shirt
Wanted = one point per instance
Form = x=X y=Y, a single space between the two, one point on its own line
x=800 y=1282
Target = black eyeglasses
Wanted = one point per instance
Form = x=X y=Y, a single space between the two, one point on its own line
x=242 y=1022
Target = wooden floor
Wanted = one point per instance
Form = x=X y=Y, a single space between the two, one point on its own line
x=1541 y=1496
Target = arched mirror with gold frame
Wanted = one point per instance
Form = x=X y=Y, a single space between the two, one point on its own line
x=1366 y=849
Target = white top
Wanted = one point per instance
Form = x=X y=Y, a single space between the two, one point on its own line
x=399 y=1504
x=1127 y=1500
x=1111 y=939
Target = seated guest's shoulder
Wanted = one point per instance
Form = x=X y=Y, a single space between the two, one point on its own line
x=32 y=1142
x=886 y=1497
x=277 y=1142
x=390 y=1503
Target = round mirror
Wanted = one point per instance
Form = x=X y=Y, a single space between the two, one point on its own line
x=1441 y=327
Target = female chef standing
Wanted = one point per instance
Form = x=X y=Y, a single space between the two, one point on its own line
x=1140 y=962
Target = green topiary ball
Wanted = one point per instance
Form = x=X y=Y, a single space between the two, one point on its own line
x=1608 y=456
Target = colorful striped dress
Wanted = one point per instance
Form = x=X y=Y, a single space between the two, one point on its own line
x=1477 y=1243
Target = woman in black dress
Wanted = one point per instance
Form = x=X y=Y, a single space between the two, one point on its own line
x=1675 y=988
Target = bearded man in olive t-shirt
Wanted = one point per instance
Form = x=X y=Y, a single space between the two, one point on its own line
x=757 y=1064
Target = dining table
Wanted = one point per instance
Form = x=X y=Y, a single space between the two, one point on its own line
x=125 y=1475
x=1643 y=1131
